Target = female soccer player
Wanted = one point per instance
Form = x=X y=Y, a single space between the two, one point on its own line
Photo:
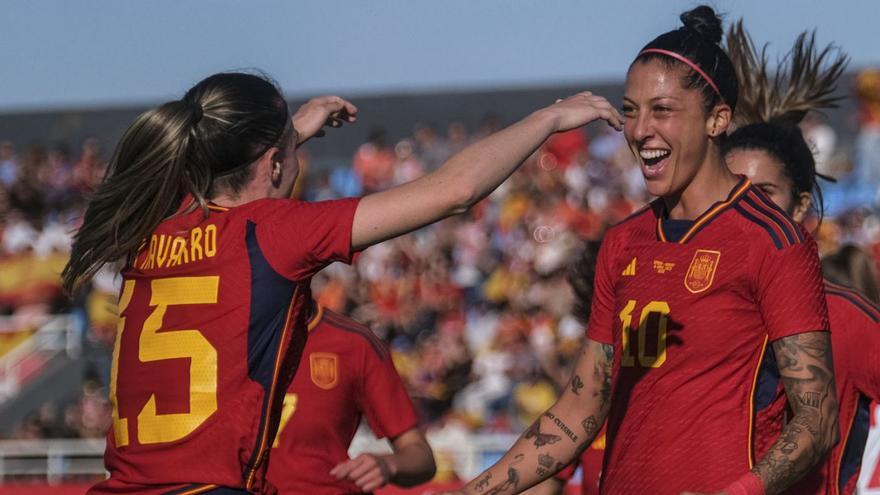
x=347 y=373
x=218 y=263
x=689 y=292
x=771 y=151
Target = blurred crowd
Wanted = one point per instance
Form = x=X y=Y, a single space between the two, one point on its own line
x=476 y=309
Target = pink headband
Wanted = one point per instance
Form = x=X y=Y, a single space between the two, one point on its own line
x=690 y=64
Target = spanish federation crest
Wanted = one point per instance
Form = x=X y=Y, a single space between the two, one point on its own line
x=702 y=270
x=324 y=367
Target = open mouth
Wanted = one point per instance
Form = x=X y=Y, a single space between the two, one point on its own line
x=653 y=161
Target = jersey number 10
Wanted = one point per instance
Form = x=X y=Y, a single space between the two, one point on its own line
x=652 y=325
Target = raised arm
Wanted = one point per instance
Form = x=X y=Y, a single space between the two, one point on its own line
x=560 y=434
x=471 y=174
x=805 y=364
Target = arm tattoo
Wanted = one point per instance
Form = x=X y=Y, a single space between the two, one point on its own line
x=576 y=385
x=512 y=480
x=562 y=426
x=541 y=439
x=806 y=368
x=545 y=462
x=602 y=373
x=591 y=427
x=483 y=483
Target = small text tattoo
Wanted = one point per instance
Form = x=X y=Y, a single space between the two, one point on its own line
x=562 y=426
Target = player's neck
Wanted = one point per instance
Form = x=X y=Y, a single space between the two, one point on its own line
x=713 y=183
x=250 y=192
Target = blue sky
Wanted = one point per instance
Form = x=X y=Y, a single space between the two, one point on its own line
x=59 y=53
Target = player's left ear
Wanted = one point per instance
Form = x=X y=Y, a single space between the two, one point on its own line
x=802 y=204
x=274 y=161
x=719 y=120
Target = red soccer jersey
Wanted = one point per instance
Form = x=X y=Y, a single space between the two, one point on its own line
x=855 y=340
x=213 y=321
x=690 y=321
x=347 y=373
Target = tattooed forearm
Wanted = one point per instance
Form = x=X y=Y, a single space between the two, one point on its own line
x=810 y=399
x=558 y=435
x=576 y=384
x=545 y=463
x=602 y=374
x=541 y=439
x=483 y=482
x=512 y=481
x=562 y=426
x=808 y=374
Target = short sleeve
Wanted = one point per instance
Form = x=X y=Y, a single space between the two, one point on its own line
x=601 y=323
x=385 y=403
x=567 y=473
x=856 y=344
x=790 y=290
x=300 y=238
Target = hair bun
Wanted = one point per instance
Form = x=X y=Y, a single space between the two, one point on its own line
x=705 y=22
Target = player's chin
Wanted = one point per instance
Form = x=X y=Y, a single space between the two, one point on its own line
x=659 y=186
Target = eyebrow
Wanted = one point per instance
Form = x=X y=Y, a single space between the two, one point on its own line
x=652 y=100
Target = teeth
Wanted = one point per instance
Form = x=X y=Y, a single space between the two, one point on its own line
x=653 y=154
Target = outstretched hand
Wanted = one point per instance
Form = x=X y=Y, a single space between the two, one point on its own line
x=319 y=112
x=581 y=109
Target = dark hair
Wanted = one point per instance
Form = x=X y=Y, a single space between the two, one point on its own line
x=783 y=141
x=580 y=277
x=852 y=267
x=772 y=107
x=194 y=146
x=697 y=43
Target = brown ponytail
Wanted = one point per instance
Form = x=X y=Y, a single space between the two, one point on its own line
x=191 y=146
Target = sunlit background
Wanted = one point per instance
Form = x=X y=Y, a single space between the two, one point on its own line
x=475 y=309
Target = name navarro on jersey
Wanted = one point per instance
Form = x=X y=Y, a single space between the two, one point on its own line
x=166 y=251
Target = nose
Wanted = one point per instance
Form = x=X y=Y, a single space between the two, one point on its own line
x=639 y=127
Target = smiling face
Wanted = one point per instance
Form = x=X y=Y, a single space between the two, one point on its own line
x=667 y=127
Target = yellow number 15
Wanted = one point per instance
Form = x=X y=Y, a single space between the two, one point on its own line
x=154 y=345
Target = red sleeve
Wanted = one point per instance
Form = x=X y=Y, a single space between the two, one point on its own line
x=300 y=238
x=601 y=324
x=567 y=473
x=790 y=290
x=384 y=401
x=856 y=344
